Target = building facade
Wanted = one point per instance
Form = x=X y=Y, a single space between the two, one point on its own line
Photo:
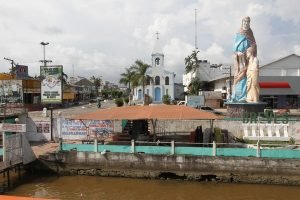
x=160 y=82
x=280 y=82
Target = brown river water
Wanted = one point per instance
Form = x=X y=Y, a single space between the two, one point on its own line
x=104 y=188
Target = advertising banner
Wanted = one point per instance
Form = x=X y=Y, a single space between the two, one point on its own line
x=11 y=91
x=51 y=85
x=75 y=129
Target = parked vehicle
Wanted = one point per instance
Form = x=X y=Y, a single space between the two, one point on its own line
x=181 y=103
x=209 y=109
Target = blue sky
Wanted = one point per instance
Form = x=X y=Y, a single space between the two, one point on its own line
x=102 y=37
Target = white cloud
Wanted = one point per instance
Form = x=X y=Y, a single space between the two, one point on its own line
x=103 y=37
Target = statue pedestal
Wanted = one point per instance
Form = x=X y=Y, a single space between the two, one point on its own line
x=236 y=109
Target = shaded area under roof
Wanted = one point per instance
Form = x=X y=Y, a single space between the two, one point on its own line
x=160 y=112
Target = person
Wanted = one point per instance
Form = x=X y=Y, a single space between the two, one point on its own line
x=244 y=39
x=252 y=78
x=98 y=102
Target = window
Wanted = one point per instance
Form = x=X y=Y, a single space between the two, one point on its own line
x=167 y=92
x=167 y=80
x=148 y=81
x=157 y=80
x=157 y=61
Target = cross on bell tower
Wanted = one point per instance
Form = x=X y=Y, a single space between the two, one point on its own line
x=157 y=33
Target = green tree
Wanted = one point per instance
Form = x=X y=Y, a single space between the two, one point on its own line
x=97 y=83
x=195 y=86
x=191 y=62
x=127 y=78
x=140 y=77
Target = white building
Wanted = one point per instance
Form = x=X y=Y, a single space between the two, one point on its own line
x=217 y=78
x=280 y=82
x=161 y=82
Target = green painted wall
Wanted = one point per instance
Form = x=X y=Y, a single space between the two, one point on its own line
x=197 y=151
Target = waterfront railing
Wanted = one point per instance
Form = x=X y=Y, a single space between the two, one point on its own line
x=193 y=149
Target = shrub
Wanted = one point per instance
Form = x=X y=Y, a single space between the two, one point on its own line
x=166 y=99
x=126 y=100
x=119 y=102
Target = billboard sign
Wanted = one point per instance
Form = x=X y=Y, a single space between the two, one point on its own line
x=194 y=100
x=51 y=84
x=75 y=129
x=11 y=91
x=21 y=71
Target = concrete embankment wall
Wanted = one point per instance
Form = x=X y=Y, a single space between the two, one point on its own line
x=200 y=168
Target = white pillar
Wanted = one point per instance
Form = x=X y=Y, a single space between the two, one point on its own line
x=253 y=130
x=258 y=150
x=4 y=147
x=245 y=128
x=277 y=127
x=269 y=129
x=132 y=146
x=261 y=130
x=285 y=130
x=214 y=149
x=172 y=147
x=95 y=145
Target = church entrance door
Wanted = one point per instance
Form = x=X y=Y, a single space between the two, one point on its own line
x=157 y=94
x=139 y=94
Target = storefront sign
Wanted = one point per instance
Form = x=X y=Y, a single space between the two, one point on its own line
x=12 y=127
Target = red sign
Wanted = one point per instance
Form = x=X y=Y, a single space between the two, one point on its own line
x=274 y=85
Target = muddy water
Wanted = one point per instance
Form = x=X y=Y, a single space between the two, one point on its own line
x=87 y=187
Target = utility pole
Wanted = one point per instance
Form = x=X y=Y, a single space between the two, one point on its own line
x=230 y=82
x=196 y=46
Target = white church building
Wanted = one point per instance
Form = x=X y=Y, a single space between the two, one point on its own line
x=161 y=82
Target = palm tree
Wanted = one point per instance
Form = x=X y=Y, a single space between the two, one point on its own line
x=127 y=79
x=140 y=76
x=191 y=62
x=97 y=83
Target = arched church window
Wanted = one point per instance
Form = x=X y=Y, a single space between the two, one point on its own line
x=157 y=80
x=148 y=81
x=157 y=61
x=167 y=80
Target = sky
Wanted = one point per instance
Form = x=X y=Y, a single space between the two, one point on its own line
x=103 y=37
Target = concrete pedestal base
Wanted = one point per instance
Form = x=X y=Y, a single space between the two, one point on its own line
x=236 y=109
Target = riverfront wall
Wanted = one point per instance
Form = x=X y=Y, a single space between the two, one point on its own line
x=205 y=168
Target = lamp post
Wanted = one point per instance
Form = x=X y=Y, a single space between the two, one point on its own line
x=12 y=65
x=44 y=44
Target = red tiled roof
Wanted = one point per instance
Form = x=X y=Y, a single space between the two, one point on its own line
x=167 y=112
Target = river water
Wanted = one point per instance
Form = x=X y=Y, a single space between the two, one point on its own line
x=104 y=188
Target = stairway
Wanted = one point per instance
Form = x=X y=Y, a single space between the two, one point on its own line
x=126 y=133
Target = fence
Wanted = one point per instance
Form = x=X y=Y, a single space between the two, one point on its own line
x=195 y=149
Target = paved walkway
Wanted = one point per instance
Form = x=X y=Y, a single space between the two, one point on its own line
x=43 y=148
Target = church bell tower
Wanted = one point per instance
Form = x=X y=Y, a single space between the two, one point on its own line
x=157 y=55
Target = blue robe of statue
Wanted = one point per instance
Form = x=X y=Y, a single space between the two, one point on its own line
x=241 y=44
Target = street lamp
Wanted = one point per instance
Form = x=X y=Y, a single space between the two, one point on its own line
x=12 y=64
x=50 y=107
x=44 y=47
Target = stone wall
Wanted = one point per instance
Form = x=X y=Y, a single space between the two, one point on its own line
x=223 y=169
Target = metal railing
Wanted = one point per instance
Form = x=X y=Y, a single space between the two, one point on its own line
x=193 y=149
